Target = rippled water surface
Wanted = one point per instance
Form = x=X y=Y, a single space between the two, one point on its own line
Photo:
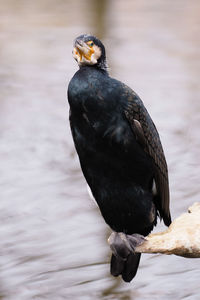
x=52 y=236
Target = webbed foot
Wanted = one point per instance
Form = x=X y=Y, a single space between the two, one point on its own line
x=122 y=244
x=124 y=260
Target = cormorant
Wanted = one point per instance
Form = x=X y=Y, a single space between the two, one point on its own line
x=120 y=154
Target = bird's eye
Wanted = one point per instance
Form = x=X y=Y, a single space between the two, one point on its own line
x=90 y=43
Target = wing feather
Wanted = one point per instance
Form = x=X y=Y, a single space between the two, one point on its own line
x=148 y=137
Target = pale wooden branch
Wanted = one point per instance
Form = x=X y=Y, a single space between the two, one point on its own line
x=181 y=238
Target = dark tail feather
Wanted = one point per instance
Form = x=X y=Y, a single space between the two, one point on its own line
x=126 y=267
x=131 y=266
x=116 y=265
x=167 y=219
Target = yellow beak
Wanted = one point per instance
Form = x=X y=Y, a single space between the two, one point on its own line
x=83 y=50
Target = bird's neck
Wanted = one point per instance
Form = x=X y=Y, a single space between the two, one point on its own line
x=101 y=66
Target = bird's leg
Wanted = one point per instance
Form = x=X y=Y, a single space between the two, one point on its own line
x=122 y=244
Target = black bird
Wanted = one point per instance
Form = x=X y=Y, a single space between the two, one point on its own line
x=120 y=154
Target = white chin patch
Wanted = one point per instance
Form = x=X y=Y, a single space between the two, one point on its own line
x=85 y=61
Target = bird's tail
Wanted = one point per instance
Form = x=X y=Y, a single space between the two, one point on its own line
x=127 y=267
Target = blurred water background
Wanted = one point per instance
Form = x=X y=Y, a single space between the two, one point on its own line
x=52 y=236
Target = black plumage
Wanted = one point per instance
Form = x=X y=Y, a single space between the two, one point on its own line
x=120 y=152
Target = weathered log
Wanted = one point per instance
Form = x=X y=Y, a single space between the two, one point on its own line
x=181 y=238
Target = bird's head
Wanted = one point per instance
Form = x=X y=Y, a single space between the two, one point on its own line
x=88 y=50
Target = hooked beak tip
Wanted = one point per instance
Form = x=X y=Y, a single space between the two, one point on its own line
x=78 y=43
